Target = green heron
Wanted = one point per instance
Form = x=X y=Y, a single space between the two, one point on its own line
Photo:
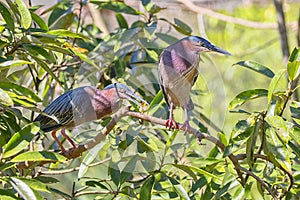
x=178 y=71
x=84 y=104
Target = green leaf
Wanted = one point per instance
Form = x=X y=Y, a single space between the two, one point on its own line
x=293 y=64
x=64 y=22
x=121 y=21
x=65 y=33
x=40 y=22
x=256 y=67
x=5 y=98
x=35 y=184
x=146 y=188
x=295 y=134
x=114 y=172
x=187 y=170
x=171 y=139
x=147 y=4
x=39 y=156
x=20 y=140
x=245 y=96
x=7 y=16
x=89 y=158
x=35 y=50
x=179 y=188
x=13 y=63
x=145 y=147
x=295 y=55
x=116 y=6
x=128 y=169
x=17 y=91
x=273 y=84
x=277 y=150
x=295 y=109
x=25 y=14
x=24 y=190
x=6 y=166
x=182 y=27
x=279 y=126
x=205 y=173
x=7 y=195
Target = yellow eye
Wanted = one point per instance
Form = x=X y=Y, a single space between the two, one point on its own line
x=123 y=90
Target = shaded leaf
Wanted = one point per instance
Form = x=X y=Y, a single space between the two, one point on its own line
x=256 y=67
x=39 y=156
x=25 y=14
x=277 y=151
x=182 y=27
x=146 y=188
x=128 y=169
x=203 y=172
x=121 y=21
x=7 y=195
x=279 y=126
x=35 y=50
x=245 y=96
x=20 y=140
x=64 y=22
x=114 y=172
x=62 y=33
x=88 y=159
x=186 y=169
x=7 y=16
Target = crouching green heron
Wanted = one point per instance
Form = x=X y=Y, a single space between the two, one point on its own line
x=84 y=104
x=178 y=71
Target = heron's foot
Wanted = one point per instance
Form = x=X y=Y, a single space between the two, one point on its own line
x=171 y=124
x=185 y=127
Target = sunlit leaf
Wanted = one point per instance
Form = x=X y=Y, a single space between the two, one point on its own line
x=35 y=184
x=7 y=16
x=146 y=189
x=24 y=190
x=5 y=98
x=245 y=96
x=256 y=67
x=25 y=14
x=62 y=33
x=116 y=6
x=39 y=156
x=39 y=21
x=20 y=140
x=279 y=126
x=293 y=64
x=274 y=83
x=179 y=189
x=13 y=63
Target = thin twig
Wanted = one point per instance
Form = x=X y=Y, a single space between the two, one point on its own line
x=271 y=192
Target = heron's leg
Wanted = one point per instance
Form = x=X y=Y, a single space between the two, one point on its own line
x=63 y=132
x=57 y=141
x=186 y=126
x=170 y=123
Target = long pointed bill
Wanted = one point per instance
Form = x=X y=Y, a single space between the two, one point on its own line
x=218 y=49
x=141 y=103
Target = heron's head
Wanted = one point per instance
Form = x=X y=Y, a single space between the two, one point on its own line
x=203 y=45
x=124 y=92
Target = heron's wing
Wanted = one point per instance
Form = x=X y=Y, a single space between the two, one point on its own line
x=63 y=110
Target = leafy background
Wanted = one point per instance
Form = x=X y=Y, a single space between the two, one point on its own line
x=246 y=104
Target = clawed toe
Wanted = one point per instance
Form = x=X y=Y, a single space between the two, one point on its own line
x=171 y=124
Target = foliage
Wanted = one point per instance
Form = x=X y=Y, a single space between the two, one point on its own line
x=138 y=159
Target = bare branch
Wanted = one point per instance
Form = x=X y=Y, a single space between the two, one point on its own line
x=243 y=22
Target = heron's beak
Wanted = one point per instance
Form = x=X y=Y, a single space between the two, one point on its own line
x=141 y=103
x=218 y=49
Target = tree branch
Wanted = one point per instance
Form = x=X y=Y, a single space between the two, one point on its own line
x=243 y=22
